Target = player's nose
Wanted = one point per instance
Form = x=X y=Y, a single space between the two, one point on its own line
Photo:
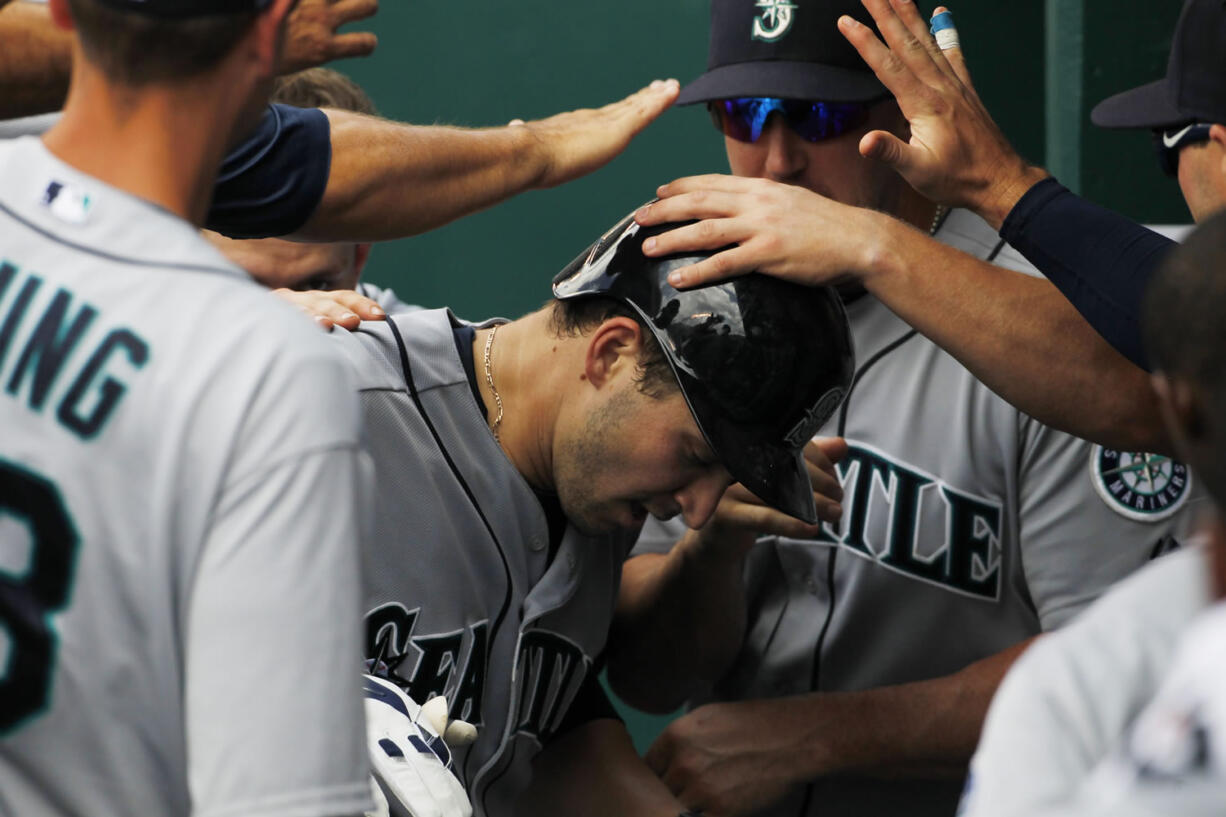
x=785 y=156
x=699 y=499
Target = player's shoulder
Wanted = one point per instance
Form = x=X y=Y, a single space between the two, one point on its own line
x=1144 y=611
x=966 y=231
x=420 y=344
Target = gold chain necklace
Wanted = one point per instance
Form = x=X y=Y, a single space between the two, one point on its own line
x=937 y=215
x=489 y=379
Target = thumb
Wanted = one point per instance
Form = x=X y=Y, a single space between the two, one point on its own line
x=883 y=147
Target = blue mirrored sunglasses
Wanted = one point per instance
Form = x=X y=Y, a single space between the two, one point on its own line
x=1169 y=142
x=745 y=118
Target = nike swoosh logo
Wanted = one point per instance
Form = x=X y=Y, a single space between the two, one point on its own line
x=1171 y=141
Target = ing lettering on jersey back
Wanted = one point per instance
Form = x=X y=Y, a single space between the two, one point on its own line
x=52 y=346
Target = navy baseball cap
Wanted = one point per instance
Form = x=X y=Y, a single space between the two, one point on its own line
x=1194 y=88
x=183 y=9
x=762 y=363
x=789 y=49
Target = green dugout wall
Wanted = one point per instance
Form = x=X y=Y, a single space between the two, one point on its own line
x=1040 y=67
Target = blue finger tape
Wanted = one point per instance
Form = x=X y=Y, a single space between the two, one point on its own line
x=942 y=21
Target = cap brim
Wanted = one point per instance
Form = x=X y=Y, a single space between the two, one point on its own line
x=783 y=79
x=1148 y=106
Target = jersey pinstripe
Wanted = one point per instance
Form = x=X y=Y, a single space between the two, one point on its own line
x=175 y=602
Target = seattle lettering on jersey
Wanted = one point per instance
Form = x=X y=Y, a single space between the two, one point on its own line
x=884 y=504
x=549 y=669
x=39 y=340
x=390 y=644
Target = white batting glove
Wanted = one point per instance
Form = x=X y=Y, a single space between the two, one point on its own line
x=410 y=760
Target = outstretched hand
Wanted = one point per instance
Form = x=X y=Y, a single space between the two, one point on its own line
x=956 y=154
x=311 y=36
x=575 y=143
x=338 y=307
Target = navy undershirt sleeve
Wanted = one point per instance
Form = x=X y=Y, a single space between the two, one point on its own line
x=271 y=183
x=1099 y=259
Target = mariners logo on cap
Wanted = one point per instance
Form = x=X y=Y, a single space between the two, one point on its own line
x=1140 y=486
x=808 y=425
x=774 y=21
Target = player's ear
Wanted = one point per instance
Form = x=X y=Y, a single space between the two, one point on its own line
x=269 y=32
x=1217 y=135
x=613 y=350
x=1182 y=408
x=60 y=14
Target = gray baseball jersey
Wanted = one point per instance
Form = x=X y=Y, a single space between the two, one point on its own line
x=462 y=597
x=1065 y=704
x=967 y=527
x=179 y=597
x=1170 y=759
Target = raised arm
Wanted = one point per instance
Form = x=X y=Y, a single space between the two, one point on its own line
x=390 y=180
x=1015 y=332
x=681 y=613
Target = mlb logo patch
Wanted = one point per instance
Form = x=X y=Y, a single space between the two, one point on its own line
x=68 y=203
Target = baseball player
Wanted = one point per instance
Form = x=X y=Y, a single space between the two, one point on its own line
x=1099 y=261
x=515 y=464
x=852 y=672
x=1114 y=713
x=178 y=610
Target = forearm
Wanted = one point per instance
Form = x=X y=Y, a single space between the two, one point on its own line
x=679 y=622
x=921 y=729
x=35 y=62
x=1018 y=335
x=390 y=180
x=594 y=770
x=1100 y=260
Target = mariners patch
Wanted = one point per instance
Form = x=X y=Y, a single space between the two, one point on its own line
x=774 y=20
x=1140 y=486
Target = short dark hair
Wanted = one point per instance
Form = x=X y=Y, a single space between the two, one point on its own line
x=1185 y=334
x=579 y=316
x=138 y=49
x=322 y=88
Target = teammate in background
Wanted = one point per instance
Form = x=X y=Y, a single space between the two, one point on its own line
x=956 y=154
x=310 y=269
x=175 y=601
x=341 y=176
x=848 y=672
x=1123 y=712
x=1063 y=709
x=515 y=465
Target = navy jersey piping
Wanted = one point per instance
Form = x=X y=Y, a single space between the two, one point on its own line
x=506 y=567
x=815 y=678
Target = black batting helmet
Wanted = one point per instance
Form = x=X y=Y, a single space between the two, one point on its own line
x=762 y=363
